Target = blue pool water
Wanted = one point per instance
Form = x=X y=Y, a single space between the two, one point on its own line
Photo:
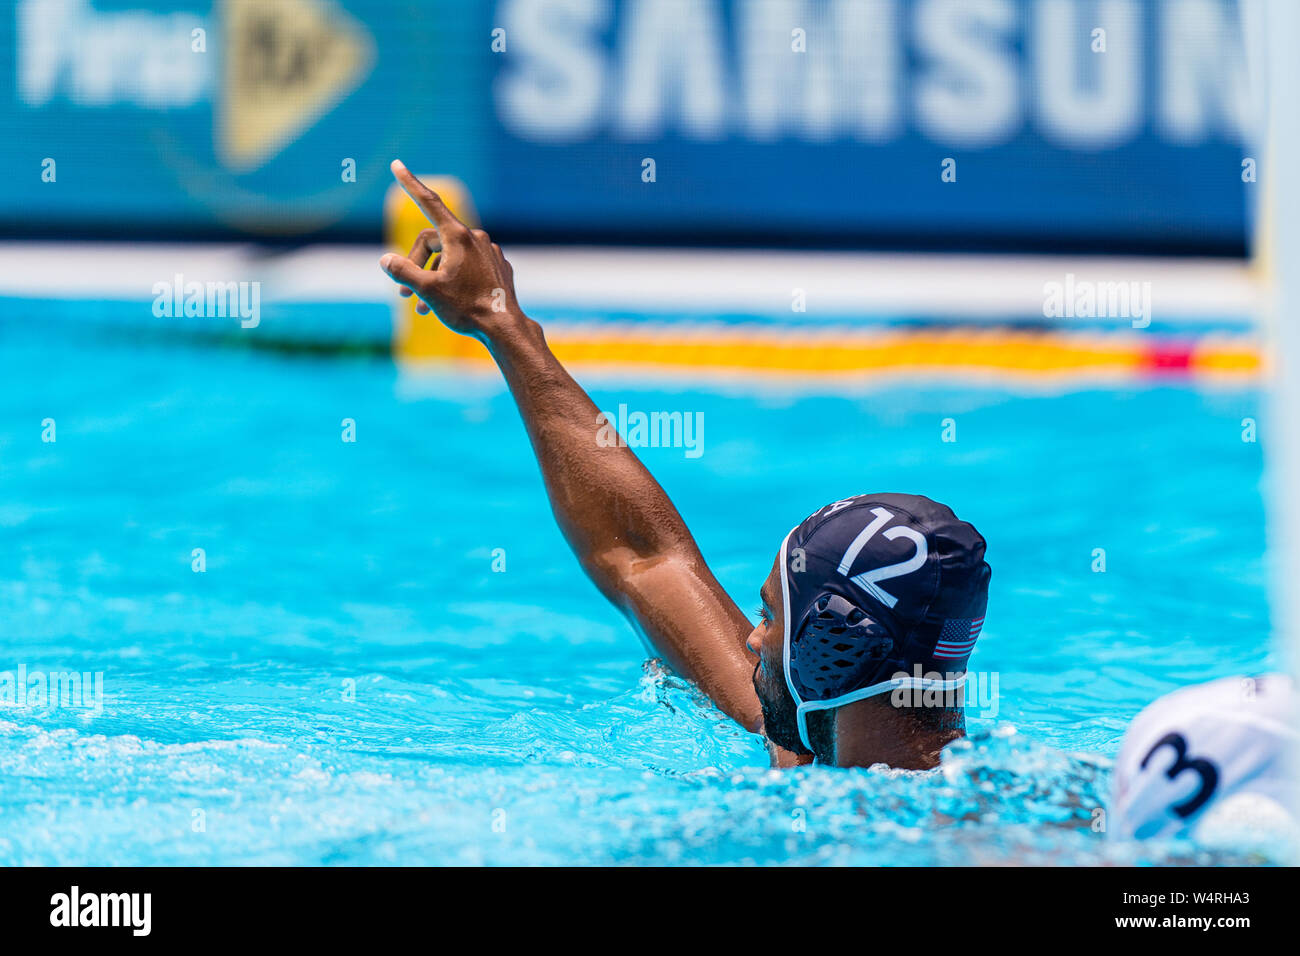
x=349 y=681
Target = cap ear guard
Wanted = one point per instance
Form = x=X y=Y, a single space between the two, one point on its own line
x=836 y=649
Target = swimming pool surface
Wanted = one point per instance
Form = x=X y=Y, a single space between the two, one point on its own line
x=350 y=681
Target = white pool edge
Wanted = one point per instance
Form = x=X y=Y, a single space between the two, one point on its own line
x=960 y=288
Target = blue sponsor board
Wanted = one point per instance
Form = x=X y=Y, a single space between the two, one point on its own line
x=1056 y=122
x=1099 y=124
x=264 y=118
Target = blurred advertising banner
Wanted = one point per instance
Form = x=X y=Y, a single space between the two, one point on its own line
x=263 y=118
x=1056 y=124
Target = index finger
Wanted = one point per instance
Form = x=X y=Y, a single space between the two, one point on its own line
x=430 y=202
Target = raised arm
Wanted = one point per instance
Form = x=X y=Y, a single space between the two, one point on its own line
x=617 y=519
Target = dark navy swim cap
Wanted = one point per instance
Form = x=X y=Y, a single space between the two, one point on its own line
x=875 y=587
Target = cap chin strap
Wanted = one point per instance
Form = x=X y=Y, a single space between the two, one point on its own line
x=804 y=707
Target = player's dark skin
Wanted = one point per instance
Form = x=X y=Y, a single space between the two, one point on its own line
x=624 y=530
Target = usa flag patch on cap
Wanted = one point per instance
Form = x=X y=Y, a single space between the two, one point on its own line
x=957 y=638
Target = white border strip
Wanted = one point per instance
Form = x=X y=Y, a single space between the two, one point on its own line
x=761 y=282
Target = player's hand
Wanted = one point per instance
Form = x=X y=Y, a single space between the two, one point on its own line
x=458 y=272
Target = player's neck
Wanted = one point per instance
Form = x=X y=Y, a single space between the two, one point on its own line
x=873 y=731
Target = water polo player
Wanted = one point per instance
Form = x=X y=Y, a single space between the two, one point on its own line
x=863 y=591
